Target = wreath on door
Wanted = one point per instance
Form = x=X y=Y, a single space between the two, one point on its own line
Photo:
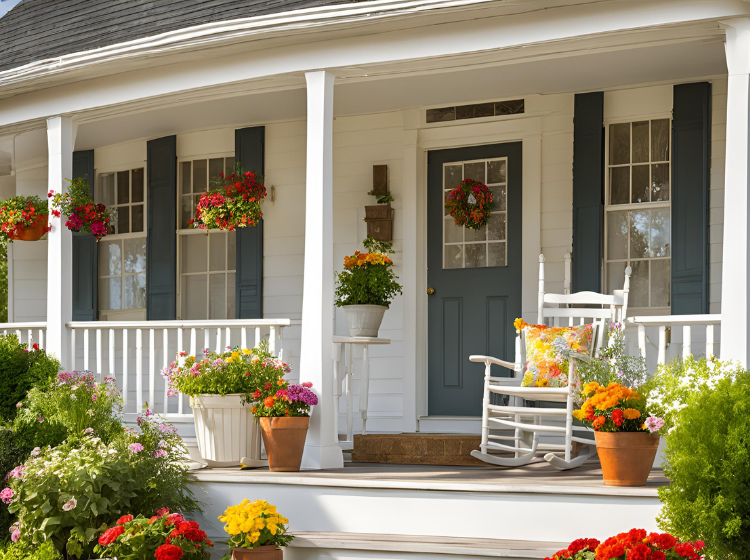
x=470 y=204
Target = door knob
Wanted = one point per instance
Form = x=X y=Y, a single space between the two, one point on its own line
x=430 y=291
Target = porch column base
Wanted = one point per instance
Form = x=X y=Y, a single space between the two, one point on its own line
x=328 y=457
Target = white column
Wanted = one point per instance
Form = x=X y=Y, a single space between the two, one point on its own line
x=735 y=326
x=60 y=143
x=316 y=365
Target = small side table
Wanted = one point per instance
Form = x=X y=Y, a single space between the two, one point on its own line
x=339 y=353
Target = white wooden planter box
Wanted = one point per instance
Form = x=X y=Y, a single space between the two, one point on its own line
x=226 y=430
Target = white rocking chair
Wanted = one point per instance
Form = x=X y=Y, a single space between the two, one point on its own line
x=527 y=422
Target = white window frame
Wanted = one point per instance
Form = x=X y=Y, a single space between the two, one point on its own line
x=119 y=313
x=608 y=207
x=182 y=232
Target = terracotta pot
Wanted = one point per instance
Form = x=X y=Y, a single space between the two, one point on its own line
x=268 y=552
x=284 y=439
x=35 y=232
x=626 y=457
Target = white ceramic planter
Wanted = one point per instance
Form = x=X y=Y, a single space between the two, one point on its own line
x=364 y=320
x=226 y=431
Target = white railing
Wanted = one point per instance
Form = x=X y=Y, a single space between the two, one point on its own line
x=30 y=332
x=134 y=352
x=667 y=327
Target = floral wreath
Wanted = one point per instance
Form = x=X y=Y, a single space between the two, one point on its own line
x=470 y=204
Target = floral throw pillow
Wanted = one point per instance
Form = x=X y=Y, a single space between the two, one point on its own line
x=548 y=350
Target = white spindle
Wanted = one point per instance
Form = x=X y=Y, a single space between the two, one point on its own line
x=243 y=337
x=179 y=343
x=19 y=336
x=193 y=342
x=257 y=337
x=709 y=341
x=125 y=372
x=227 y=337
x=85 y=350
x=219 y=349
x=280 y=343
x=112 y=355
x=272 y=340
x=30 y=337
x=99 y=353
x=151 y=368
x=138 y=370
x=206 y=340
x=179 y=349
x=41 y=339
x=662 y=345
x=642 y=340
x=72 y=350
x=165 y=351
x=686 y=342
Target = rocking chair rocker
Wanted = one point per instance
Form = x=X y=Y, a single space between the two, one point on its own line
x=528 y=422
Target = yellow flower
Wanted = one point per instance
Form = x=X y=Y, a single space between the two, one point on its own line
x=246 y=352
x=579 y=414
x=590 y=388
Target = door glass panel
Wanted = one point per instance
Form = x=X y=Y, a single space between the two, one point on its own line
x=476 y=255
x=474 y=171
x=497 y=171
x=499 y=198
x=453 y=233
x=476 y=234
x=497 y=227
x=452 y=176
x=497 y=254
x=454 y=256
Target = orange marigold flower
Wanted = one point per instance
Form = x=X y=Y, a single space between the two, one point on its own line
x=631 y=414
x=269 y=402
x=599 y=422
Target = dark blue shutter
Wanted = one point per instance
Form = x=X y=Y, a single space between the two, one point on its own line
x=161 y=243
x=691 y=152
x=588 y=191
x=249 y=145
x=85 y=250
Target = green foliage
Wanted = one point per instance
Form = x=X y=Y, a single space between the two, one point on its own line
x=19 y=551
x=367 y=279
x=374 y=246
x=382 y=198
x=12 y=454
x=234 y=201
x=708 y=464
x=3 y=283
x=21 y=368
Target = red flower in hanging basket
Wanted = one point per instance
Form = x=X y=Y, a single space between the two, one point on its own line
x=23 y=218
x=233 y=202
x=83 y=214
x=470 y=204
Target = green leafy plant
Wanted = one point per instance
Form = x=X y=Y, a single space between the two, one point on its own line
x=18 y=213
x=82 y=213
x=22 y=368
x=382 y=198
x=164 y=536
x=19 y=551
x=708 y=465
x=374 y=246
x=12 y=454
x=233 y=202
x=367 y=278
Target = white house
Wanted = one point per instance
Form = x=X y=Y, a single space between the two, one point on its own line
x=617 y=131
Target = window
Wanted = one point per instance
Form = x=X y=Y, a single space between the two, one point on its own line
x=637 y=211
x=206 y=260
x=468 y=248
x=122 y=254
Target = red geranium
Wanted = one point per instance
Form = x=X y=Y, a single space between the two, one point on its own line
x=110 y=535
x=636 y=544
x=175 y=518
x=233 y=202
x=125 y=519
x=168 y=552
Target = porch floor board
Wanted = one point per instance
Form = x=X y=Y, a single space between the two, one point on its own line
x=537 y=478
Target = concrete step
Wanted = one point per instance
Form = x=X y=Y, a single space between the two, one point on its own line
x=416 y=449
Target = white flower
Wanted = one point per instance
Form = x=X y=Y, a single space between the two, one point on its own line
x=70 y=504
x=112 y=452
x=88 y=431
x=36 y=451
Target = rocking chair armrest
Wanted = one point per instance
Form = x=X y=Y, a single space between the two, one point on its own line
x=580 y=356
x=493 y=361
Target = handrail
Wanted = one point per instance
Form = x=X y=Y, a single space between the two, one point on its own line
x=667 y=321
x=23 y=325
x=209 y=324
x=29 y=327
x=708 y=319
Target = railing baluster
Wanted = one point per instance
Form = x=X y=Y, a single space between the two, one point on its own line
x=257 y=337
x=125 y=373
x=138 y=370
x=709 y=341
x=99 y=354
x=165 y=351
x=192 y=342
x=151 y=368
x=272 y=340
x=206 y=340
x=642 y=340
x=41 y=339
x=112 y=353
x=179 y=349
x=85 y=350
x=218 y=341
x=281 y=343
x=662 y=345
x=72 y=350
x=19 y=335
x=686 y=342
x=30 y=335
x=227 y=337
x=243 y=337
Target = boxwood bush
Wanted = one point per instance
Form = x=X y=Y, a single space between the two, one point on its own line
x=708 y=464
x=21 y=368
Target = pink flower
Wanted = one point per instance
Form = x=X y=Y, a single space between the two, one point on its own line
x=135 y=447
x=15 y=532
x=6 y=495
x=307 y=384
x=172 y=392
x=162 y=511
x=159 y=453
x=654 y=424
x=70 y=504
x=15 y=473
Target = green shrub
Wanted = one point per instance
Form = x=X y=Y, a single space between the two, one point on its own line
x=21 y=368
x=19 y=551
x=708 y=464
x=11 y=455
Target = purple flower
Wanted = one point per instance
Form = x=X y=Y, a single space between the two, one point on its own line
x=40 y=419
x=6 y=495
x=167 y=429
x=148 y=412
x=163 y=444
x=159 y=453
x=654 y=424
x=298 y=393
x=135 y=447
x=15 y=532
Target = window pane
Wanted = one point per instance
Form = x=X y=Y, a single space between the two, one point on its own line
x=496 y=171
x=135 y=254
x=123 y=187
x=660 y=232
x=619 y=143
x=497 y=254
x=122 y=219
x=215 y=166
x=137 y=215
x=619 y=186
x=453 y=256
x=660 y=140
x=110 y=258
x=111 y=296
x=617 y=235
x=474 y=171
x=640 y=183
x=452 y=176
x=200 y=175
x=194 y=297
x=231 y=293
x=186 y=212
x=499 y=198
x=476 y=255
x=229 y=165
x=496 y=226
x=615 y=276
x=640 y=234
x=476 y=234
x=137 y=185
x=640 y=142
x=105 y=190
x=639 y=284
x=660 y=182
x=217 y=251
x=133 y=299
x=453 y=233
x=231 y=251
x=193 y=256
x=185 y=175
x=660 y=279
x=217 y=296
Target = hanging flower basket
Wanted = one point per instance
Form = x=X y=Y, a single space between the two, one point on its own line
x=83 y=215
x=470 y=204
x=23 y=218
x=233 y=202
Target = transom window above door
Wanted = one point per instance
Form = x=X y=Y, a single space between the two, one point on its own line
x=485 y=247
x=195 y=179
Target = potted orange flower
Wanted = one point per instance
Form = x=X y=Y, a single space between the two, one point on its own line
x=626 y=438
x=23 y=218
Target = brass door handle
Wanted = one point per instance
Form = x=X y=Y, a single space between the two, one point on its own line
x=430 y=291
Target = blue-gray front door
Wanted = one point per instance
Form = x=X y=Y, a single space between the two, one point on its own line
x=474 y=277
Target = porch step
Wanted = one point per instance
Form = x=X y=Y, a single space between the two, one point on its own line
x=416 y=449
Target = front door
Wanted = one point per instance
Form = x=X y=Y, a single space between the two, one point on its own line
x=474 y=277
